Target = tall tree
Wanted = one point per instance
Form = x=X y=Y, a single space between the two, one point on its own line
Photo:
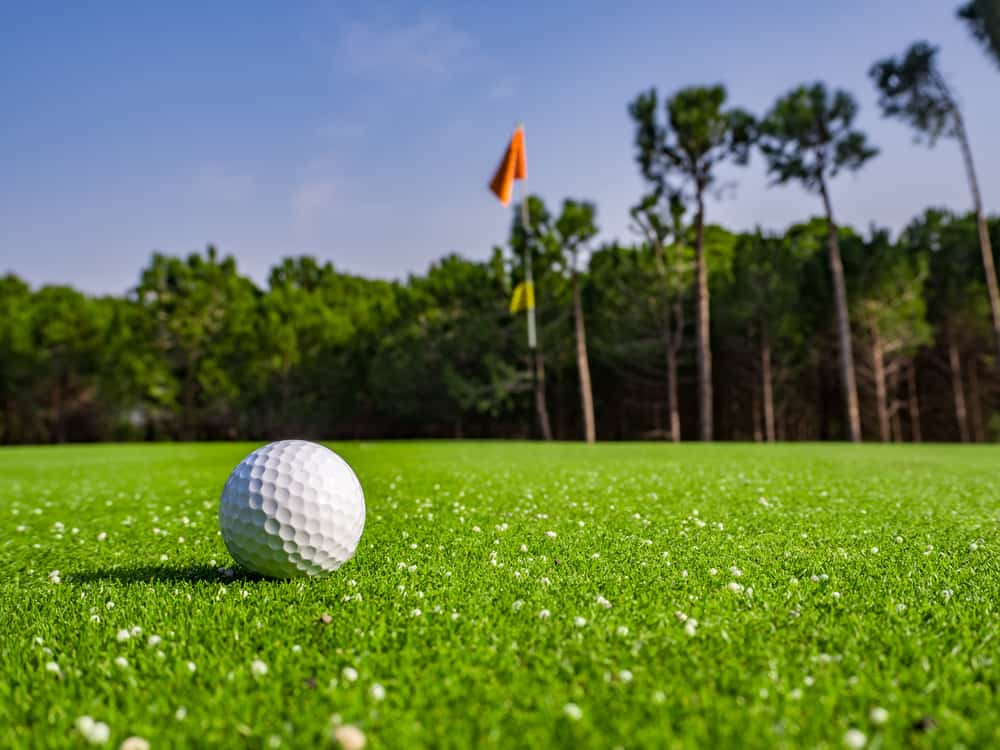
x=762 y=301
x=888 y=306
x=983 y=20
x=956 y=305
x=808 y=136
x=574 y=227
x=203 y=316
x=912 y=89
x=679 y=157
x=673 y=267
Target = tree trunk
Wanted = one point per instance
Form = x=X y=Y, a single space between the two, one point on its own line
x=984 y=234
x=674 y=407
x=843 y=323
x=894 y=408
x=914 y=405
x=955 y=362
x=703 y=326
x=582 y=363
x=540 y=408
x=758 y=427
x=881 y=398
x=975 y=404
x=768 y=383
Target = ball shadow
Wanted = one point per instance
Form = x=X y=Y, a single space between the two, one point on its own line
x=163 y=573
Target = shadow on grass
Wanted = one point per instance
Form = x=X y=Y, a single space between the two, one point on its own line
x=163 y=573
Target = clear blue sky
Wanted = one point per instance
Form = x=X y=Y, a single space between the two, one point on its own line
x=364 y=132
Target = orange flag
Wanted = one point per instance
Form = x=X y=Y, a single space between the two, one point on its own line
x=513 y=166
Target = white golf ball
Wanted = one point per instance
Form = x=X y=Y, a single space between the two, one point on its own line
x=292 y=508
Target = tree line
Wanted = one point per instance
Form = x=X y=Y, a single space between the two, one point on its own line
x=691 y=331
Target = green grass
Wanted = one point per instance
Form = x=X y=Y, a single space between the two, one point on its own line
x=874 y=574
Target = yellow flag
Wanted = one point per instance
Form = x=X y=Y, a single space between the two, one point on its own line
x=523 y=297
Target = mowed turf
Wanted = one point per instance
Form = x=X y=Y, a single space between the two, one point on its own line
x=514 y=595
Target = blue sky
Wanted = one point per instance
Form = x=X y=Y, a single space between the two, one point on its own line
x=364 y=132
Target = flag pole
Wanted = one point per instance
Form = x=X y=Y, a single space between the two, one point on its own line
x=528 y=278
x=537 y=366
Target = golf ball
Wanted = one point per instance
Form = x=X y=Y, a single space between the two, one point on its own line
x=292 y=508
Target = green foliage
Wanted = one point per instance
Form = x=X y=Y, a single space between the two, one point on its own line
x=949 y=245
x=697 y=135
x=982 y=17
x=889 y=294
x=912 y=89
x=808 y=137
x=574 y=227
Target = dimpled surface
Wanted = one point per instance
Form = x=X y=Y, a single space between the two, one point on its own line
x=292 y=508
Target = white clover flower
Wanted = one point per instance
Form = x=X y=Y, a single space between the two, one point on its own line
x=544 y=614
x=54 y=577
x=550 y=534
x=377 y=692
x=121 y=661
x=736 y=571
x=596 y=556
x=603 y=602
x=835 y=594
x=621 y=630
x=516 y=606
x=544 y=581
x=191 y=666
x=691 y=626
x=52 y=667
x=524 y=548
x=154 y=640
x=625 y=676
x=123 y=635
x=95 y=732
x=579 y=621
x=734 y=587
x=878 y=715
x=713 y=571
x=855 y=739
x=659 y=697
x=134 y=743
x=947 y=594
x=573 y=711
x=416 y=613
x=181 y=713
x=349 y=737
